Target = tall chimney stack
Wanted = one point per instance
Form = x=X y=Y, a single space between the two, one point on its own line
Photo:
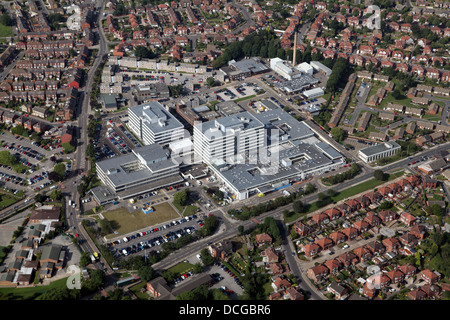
x=295 y=49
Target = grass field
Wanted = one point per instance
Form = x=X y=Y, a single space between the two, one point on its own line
x=7 y=200
x=5 y=31
x=128 y=222
x=182 y=267
x=27 y=293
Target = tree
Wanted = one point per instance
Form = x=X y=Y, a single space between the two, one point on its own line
x=60 y=170
x=180 y=198
x=310 y=188
x=7 y=158
x=146 y=273
x=206 y=257
x=6 y=20
x=40 y=197
x=338 y=134
x=143 y=53
x=56 y=195
x=437 y=210
x=68 y=148
x=210 y=81
x=396 y=93
x=331 y=193
x=298 y=207
x=380 y=175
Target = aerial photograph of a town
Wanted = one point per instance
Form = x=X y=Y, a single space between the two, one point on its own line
x=225 y=150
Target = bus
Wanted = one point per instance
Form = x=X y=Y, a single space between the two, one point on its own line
x=125 y=281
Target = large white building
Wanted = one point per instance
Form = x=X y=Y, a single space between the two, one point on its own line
x=305 y=67
x=225 y=138
x=153 y=124
x=383 y=150
x=285 y=70
x=262 y=152
x=144 y=169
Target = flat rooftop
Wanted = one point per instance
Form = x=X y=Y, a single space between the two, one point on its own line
x=249 y=65
x=298 y=83
x=243 y=120
x=370 y=151
x=292 y=160
x=289 y=127
x=142 y=164
x=155 y=117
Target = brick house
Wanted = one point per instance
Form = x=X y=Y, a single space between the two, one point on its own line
x=301 y=229
x=318 y=273
x=324 y=243
x=361 y=226
x=395 y=276
x=387 y=215
x=431 y=290
x=321 y=218
x=338 y=237
x=408 y=219
x=362 y=253
x=333 y=265
x=263 y=238
x=350 y=232
x=392 y=244
x=376 y=248
x=269 y=255
x=372 y=219
x=348 y=258
x=408 y=239
x=384 y=191
x=333 y=213
x=417 y=294
x=364 y=201
x=419 y=231
x=311 y=249
x=429 y=276
x=408 y=270
x=374 y=196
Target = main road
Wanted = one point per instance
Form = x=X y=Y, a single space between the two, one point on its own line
x=81 y=164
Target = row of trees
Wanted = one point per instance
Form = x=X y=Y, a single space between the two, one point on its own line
x=340 y=71
x=346 y=175
x=246 y=212
x=264 y=44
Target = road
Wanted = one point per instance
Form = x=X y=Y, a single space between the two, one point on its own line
x=80 y=164
x=247 y=17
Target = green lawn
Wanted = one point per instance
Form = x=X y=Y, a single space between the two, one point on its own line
x=128 y=222
x=245 y=98
x=367 y=185
x=7 y=200
x=402 y=101
x=182 y=267
x=27 y=293
x=136 y=290
x=5 y=31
